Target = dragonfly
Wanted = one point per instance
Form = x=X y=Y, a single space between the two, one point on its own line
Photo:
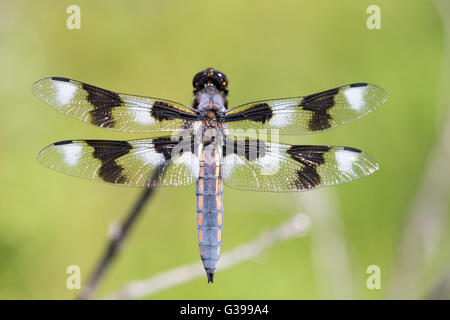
x=199 y=146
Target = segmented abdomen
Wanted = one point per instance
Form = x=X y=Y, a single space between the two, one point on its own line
x=209 y=210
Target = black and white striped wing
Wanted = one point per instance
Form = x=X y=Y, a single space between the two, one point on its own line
x=257 y=165
x=108 y=109
x=129 y=163
x=302 y=115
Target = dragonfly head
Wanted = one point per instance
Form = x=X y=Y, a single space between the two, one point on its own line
x=210 y=90
x=210 y=77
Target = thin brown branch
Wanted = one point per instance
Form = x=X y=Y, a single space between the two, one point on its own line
x=119 y=236
x=295 y=227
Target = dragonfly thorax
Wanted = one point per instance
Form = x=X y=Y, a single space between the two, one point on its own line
x=210 y=98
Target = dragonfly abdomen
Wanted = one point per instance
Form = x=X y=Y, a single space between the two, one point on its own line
x=209 y=214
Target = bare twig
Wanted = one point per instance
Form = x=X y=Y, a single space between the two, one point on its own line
x=119 y=235
x=295 y=227
x=426 y=220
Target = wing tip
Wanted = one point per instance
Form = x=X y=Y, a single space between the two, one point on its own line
x=373 y=165
x=47 y=151
x=355 y=162
x=38 y=88
x=35 y=88
x=40 y=84
x=381 y=93
x=378 y=91
x=41 y=156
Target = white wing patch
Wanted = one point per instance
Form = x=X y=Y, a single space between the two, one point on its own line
x=65 y=91
x=151 y=157
x=191 y=161
x=270 y=163
x=71 y=153
x=141 y=116
x=281 y=119
x=229 y=163
x=345 y=160
x=355 y=97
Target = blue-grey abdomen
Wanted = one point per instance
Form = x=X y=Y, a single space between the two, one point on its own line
x=209 y=212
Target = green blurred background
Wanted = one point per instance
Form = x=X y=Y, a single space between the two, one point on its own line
x=268 y=49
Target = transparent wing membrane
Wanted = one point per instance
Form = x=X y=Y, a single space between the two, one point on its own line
x=302 y=115
x=265 y=166
x=108 y=109
x=123 y=162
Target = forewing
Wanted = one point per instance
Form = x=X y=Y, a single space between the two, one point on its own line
x=130 y=163
x=108 y=109
x=257 y=165
x=302 y=115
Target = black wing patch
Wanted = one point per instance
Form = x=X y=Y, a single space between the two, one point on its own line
x=108 y=153
x=259 y=112
x=310 y=157
x=319 y=104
